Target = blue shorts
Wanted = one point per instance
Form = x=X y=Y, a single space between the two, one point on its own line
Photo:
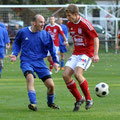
x=2 y=52
x=62 y=48
x=39 y=67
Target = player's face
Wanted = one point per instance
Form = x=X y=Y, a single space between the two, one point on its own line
x=60 y=21
x=40 y=22
x=52 y=20
x=71 y=17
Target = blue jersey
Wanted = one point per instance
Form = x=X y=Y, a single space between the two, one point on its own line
x=4 y=39
x=2 y=25
x=33 y=45
x=65 y=30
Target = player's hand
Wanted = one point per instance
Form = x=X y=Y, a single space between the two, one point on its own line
x=117 y=47
x=66 y=44
x=12 y=58
x=56 y=66
x=95 y=58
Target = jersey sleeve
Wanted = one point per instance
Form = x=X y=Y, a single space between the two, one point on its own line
x=90 y=31
x=17 y=44
x=60 y=30
x=6 y=37
x=50 y=46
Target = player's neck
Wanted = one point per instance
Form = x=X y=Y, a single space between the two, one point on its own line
x=33 y=29
x=77 y=19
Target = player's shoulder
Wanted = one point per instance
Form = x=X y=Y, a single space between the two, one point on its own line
x=48 y=25
x=57 y=25
x=69 y=23
x=25 y=29
x=2 y=25
x=44 y=33
x=86 y=24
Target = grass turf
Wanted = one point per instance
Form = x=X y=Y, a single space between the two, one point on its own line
x=14 y=99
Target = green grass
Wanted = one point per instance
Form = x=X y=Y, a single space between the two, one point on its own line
x=14 y=99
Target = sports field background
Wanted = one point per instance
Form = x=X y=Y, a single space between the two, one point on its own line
x=14 y=99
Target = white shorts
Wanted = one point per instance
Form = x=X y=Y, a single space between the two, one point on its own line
x=57 y=51
x=82 y=61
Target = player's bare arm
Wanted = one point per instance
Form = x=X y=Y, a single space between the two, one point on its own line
x=95 y=58
x=65 y=41
x=117 y=45
x=56 y=66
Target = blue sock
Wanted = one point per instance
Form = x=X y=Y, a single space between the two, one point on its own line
x=50 y=98
x=62 y=63
x=32 y=97
x=0 y=71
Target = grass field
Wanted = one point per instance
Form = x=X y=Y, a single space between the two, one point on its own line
x=14 y=99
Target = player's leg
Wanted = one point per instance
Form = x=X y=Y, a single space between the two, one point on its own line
x=2 y=55
x=78 y=73
x=1 y=66
x=62 y=61
x=28 y=73
x=62 y=51
x=58 y=57
x=49 y=58
x=71 y=85
x=50 y=91
x=43 y=73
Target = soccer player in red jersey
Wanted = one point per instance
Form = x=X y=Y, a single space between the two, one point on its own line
x=118 y=40
x=54 y=29
x=86 y=46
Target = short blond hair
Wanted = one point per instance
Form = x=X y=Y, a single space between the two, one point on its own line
x=72 y=9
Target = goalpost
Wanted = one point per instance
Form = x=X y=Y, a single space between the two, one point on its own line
x=21 y=15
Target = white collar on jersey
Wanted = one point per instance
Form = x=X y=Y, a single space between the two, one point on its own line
x=78 y=21
x=30 y=28
x=52 y=25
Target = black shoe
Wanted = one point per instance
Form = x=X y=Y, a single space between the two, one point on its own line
x=78 y=104
x=54 y=106
x=33 y=107
x=89 y=104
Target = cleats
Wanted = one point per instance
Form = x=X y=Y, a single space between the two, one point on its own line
x=33 y=107
x=89 y=104
x=78 y=104
x=50 y=72
x=62 y=68
x=53 y=106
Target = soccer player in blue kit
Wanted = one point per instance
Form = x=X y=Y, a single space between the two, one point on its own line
x=34 y=43
x=62 y=46
x=4 y=43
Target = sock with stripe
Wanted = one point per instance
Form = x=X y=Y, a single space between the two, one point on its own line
x=85 y=90
x=73 y=89
x=50 y=98
x=32 y=97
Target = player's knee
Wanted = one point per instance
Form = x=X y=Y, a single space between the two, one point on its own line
x=26 y=73
x=51 y=89
x=78 y=76
x=66 y=75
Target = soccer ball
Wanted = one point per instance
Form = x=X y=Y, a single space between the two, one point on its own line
x=102 y=89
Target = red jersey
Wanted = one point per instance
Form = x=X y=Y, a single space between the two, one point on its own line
x=54 y=30
x=83 y=34
x=118 y=34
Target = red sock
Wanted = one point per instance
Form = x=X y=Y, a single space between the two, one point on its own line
x=73 y=89
x=85 y=90
x=51 y=65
